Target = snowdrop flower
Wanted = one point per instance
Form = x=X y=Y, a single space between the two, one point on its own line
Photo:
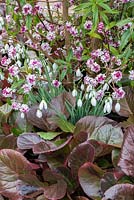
x=43 y=105
x=107 y=107
x=22 y=115
x=93 y=101
x=105 y=87
x=79 y=103
x=38 y=113
x=54 y=66
x=82 y=87
x=117 y=107
x=78 y=73
x=74 y=93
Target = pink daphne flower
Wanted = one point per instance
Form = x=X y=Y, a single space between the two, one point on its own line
x=27 y=9
x=131 y=75
x=101 y=27
x=116 y=76
x=5 y=61
x=24 y=108
x=56 y=83
x=27 y=88
x=88 y=25
x=118 y=93
x=7 y=92
x=13 y=70
x=16 y=106
x=35 y=64
x=100 y=78
x=31 y=79
x=51 y=36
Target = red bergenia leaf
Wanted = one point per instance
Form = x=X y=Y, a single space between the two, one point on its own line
x=81 y=154
x=13 y=168
x=8 y=142
x=126 y=161
x=120 y=191
x=89 y=178
x=107 y=181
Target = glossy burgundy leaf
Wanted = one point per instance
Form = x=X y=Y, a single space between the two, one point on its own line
x=28 y=140
x=13 y=168
x=89 y=178
x=101 y=148
x=120 y=191
x=126 y=161
x=49 y=147
x=56 y=188
x=81 y=154
x=79 y=138
x=90 y=123
x=8 y=142
x=107 y=181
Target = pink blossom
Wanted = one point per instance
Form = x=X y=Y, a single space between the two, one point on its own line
x=116 y=76
x=105 y=57
x=23 y=29
x=101 y=27
x=95 y=67
x=56 y=83
x=73 y=31
x=16 y=106
x=13 y=70
x=57 y=5
x=5 y=61
x=7 y=92
x=88 y=25
x=12 y=52
x=118 y=93
x=68 y=26
x=24 y=108
x=27 y=9
x=131 y=75
x=27 y=88
x=100 y=78
x=99 y=95
x=37 y=9
x=50 y=36
x=35 y=64
x=46 y=47
x=86 y=80
x=31 y=79
x=96 y=53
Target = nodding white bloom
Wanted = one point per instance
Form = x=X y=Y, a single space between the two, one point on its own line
x=92 y=94
x=117 y=107
x=108 y=105
x=38 y=113
x=78 y=73
x=22 y=115
x=105 y=87
x=82 y=87
x=79 y=103
x=54 y=66
x=86 y=96
x=43 y=105
x=74 y=93
x=89 y=88
x=93 y=101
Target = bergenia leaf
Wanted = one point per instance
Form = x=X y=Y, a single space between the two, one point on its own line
x=127 y=154
x=120 y=191
x=81 y=154
x=89 y=177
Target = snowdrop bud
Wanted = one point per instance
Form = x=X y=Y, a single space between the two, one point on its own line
x=48 y=68
x=105 y=87
x=110 y=100
x=93 y=101
x=74 y=93
x=79 y=103
x=39 y=113
x=89 y=88
x=54 y=66
x=82 y=87
x=117 y=107
x=86 y=96
x=78 y=73
x=22 y=115
x=43 y=105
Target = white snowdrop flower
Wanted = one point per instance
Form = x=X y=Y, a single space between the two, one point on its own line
x=93 y=101
x=74 y=93
x=6 y=47
x=89 y=88
x=79 y=103
x=43 y=105
x=110 y=100
x=117 y=107
x=106 y=87
x=19 y=63
x=54 y=66
x=92 y=94
x=86 y=96
x=39 y=113
x=78 y=73
x=107 y=107
x=22 y=115
x=48 y=68
x=82 y=87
